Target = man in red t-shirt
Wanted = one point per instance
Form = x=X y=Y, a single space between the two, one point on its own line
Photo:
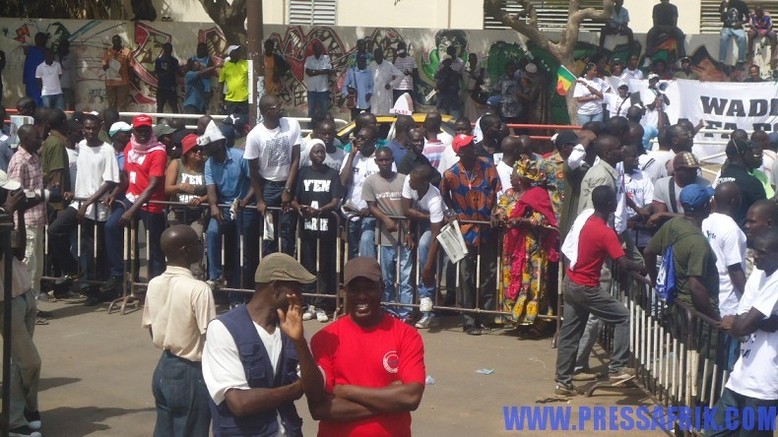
x=373 y=363
x=142 y=181
x=596 y=242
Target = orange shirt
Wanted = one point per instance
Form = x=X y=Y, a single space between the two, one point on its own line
x=123 y=57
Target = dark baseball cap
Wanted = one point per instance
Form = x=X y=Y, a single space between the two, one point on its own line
x=361 y=267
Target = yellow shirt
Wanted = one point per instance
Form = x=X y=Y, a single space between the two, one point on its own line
x=235 y=75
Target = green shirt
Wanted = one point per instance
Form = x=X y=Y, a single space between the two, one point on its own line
x=54 y=156
x=693 y=256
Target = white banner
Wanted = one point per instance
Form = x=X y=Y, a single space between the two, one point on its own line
x=720 y=105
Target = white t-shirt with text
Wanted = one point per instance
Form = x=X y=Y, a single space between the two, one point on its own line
x=273 y=147
x=729 y=244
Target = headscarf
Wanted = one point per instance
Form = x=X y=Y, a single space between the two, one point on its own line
x=139 y=150
x=529 y=169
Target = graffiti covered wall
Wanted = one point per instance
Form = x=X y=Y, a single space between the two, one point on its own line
x=90 y=39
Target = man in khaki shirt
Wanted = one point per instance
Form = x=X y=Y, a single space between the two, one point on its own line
x=178 y=309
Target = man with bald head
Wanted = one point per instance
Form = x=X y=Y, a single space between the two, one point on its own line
x=177 y=311
x=511 y=147
x=761 y=216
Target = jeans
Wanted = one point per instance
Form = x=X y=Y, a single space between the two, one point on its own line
x=585 y=118
x=737 y=403
x=181 y=398
x=389 y=263
x=424 y=249
x=478 y=295
x=287 y=222
x=728 y=33
x=361 y=238
x=114 y=239
x=580 y=301
x=246 y=225
x=25 y=360
x=54 y=101
x=325 y=271
x=318 y=102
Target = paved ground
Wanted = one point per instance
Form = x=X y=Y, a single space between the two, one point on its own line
x=97 y=369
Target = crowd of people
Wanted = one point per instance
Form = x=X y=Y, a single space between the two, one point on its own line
x=214 y=199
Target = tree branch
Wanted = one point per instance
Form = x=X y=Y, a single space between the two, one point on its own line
x=530 y=29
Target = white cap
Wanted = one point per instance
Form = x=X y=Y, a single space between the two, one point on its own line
x=7 y=183
x=531 y=68
x=231 y=48
x=653 y=76
x=212 y=133
x=119 y=126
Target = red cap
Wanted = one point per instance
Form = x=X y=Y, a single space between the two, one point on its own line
x=188 y=143
x=461 y=141
x=141 y=120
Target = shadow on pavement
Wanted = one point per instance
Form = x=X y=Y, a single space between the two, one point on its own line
x=84 y=421
x=48 y=383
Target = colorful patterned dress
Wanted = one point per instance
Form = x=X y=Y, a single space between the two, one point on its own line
x=527 y=251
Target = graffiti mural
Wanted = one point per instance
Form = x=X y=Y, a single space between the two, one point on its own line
x=494 y=49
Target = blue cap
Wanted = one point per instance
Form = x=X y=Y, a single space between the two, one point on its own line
x=694 y=196
x=773 y=136
x=494 y=101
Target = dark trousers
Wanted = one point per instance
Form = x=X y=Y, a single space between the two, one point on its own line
x=481 y=295
x=181 y=398
x=61 y=233
x=580 y=301
x=236 y=107
x=325 y=273
x=731 y=401
x=114 y=239
x=167 y=97
x=318 y=103
x=284 y=223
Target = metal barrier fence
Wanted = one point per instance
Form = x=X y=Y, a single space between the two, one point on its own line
x=446 y=277
x=682 y=358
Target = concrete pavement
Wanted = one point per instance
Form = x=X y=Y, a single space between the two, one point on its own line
x=97 y=367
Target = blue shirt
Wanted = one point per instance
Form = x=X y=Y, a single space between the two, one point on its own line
x=398 y=151
x=205 y=63
x=195 y=91
x=231 y=177
x=362 y=80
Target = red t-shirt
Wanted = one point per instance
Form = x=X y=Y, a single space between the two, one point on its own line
x=349 y=354
x=596 y=243
x=150 y=165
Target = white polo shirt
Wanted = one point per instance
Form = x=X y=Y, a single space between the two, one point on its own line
x=49 y=76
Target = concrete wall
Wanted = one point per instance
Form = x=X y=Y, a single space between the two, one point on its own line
x=89 y=39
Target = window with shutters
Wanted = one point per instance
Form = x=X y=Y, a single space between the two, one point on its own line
x=313 y=12
x=552 y=15
x=710 y=18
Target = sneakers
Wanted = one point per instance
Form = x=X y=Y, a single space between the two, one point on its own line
x=66 y=280
x=585 y=375
x=112 y=284
x=425 y=304
x=310 y=313
x=321 y=316
x=33 y=420
x=216 y=284
x=427 y=321
x=565 y=390
x=621 y=375
x=23 y=431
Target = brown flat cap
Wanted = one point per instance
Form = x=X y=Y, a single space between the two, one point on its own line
x=361 y=267
x=282 y=267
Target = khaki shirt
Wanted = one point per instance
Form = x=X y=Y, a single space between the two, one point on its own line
x=178 y=309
